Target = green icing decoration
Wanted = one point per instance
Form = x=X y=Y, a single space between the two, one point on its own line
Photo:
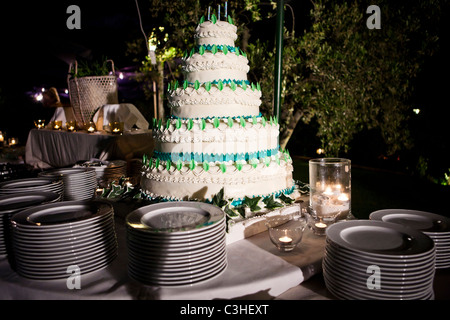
x=208 y=86
x=190 y=124
x=185 y=84
x=192 y=165
x=254 y=120
x=201 y=50
x=242 y=121
x=230 y=122
x=206 y=166
x=263 y=121
x=197 y=84
x=179 y=164
x=202 y=19
x=213 y=18
x=214 y=49
x=230 y=20
x=239 y=166
x=233 y=86
x=220 y=85
x=225 y=50
x=223 y=167
x=216 y=122
x=178 y=124
x=203 y=124
x=168 y=124
x=168 y=165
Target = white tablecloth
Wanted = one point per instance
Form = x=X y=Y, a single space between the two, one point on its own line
x=47 y=148
x=256 y=270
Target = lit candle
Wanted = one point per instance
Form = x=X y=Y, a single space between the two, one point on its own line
x=320 y=225
x=285 y=240
x=91 y=129
x=2 y=138
x=328 y=191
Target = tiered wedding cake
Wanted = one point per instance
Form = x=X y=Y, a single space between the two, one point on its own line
x=217 y=142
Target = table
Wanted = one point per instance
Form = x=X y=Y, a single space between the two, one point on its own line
x=256 y=271
x=46 y=148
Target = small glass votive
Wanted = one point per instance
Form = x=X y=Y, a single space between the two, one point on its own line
x=56 y=125
x=40 y=124
x=90 y=127
x=319 y=224
x=286 y=231
x=116 y=127
x=71 y=126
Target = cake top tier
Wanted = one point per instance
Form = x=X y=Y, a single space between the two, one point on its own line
x=216 y=32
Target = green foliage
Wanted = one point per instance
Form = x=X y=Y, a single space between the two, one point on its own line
x=339 y=77
x=90 y=68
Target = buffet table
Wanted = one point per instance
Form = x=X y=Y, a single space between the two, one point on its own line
x=46 y=148
x=256 y=270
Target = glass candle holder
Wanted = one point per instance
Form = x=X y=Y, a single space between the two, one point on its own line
x=330 y=187
x=90 y=127
x=286 y=231
x=40 y=124
x=57 y=125
x=116 y=127
x=319 y=224
x=71 y=126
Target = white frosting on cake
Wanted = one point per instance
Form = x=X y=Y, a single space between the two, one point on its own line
x=209 y=67
x=216 y=139
x=219 y=33
x=200 y=184
x=229 y=137
x=192 y=103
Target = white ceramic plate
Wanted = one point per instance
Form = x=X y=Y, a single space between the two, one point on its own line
x=175 y=217
x=378 y=238
x=426 y=222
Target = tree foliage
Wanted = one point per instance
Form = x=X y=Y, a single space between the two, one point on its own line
x=337 y=74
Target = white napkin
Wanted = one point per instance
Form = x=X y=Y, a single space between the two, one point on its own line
x=251 y=271
x=63 y=114
x=123 y=112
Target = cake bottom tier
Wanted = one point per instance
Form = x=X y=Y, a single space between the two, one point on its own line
x=201 y=185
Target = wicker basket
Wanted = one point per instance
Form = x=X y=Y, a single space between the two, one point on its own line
x=88 y=94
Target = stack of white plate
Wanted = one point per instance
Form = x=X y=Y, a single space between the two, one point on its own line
x=435 y=226
x=176 y=243
x=375 y=260
x=32 y=184
x=79 y=183
x=50 y=238
x=11 y=204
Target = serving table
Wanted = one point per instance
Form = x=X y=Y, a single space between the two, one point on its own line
x=256 y=271
x=46 y=148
